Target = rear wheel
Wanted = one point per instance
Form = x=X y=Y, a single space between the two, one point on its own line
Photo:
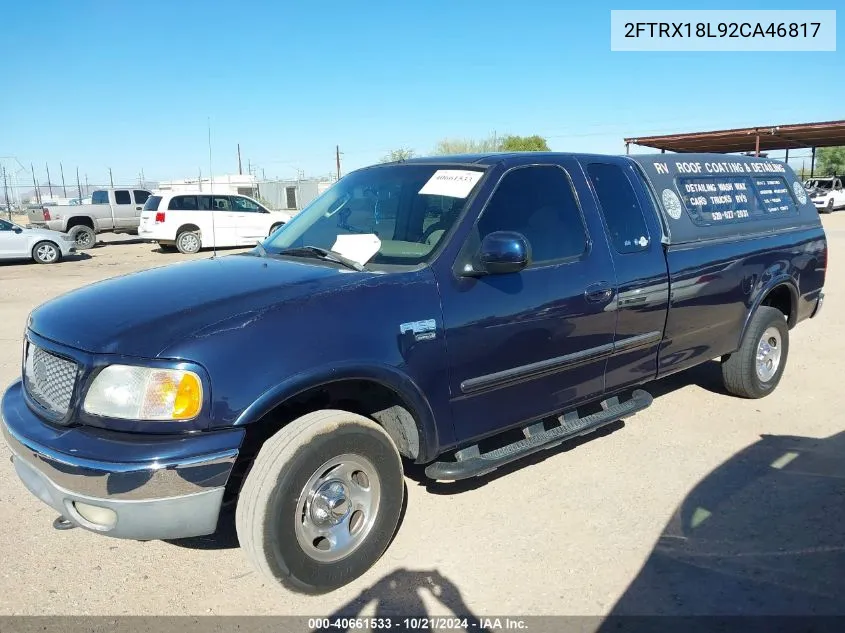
x=188 y=242
x=46 y=253
x=84 y=236
x=274 y=227
x=321 y=502
x=755 y=369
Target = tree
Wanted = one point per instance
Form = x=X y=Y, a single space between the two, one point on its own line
x=448 y=146
x=398 y=154
x=831 y=161
x=513 y=143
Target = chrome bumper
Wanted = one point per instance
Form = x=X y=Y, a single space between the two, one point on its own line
x=159 y=499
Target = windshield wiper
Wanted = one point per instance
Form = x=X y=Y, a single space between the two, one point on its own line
x=322 y=253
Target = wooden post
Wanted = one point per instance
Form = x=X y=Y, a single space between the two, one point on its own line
x=813 y=163
x=757 y=145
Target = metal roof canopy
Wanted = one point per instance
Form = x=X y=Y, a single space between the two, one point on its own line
x=751 y=139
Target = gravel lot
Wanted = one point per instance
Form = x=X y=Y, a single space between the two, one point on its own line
x=571 y=532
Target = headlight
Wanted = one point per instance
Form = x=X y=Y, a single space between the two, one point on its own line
x=144 y=393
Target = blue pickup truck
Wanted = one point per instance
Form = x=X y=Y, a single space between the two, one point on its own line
x=454 y=312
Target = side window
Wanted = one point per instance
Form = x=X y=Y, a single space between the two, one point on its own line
x=243 y=204
x=537 y=202
x=122 y=197
x=221 y=203
x=290 y=197
x=141 y=196
x=5 y=226
x=622 y=212
x=183 y=203
x=204 y=203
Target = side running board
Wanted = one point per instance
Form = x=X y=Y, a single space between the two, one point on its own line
x=471 y=462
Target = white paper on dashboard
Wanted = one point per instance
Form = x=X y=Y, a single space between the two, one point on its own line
x=358 y=248
x=455 y=183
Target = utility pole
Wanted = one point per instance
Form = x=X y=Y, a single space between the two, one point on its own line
x=337 y=157
x=6 y=195
x=64 y=189
x=86 y=184
x=249 y=166
x=199 y=179
x=240 y=168
x=111 y=179
x=49 y=184
x=78 y=186
x=35 y=184
x=263 y=177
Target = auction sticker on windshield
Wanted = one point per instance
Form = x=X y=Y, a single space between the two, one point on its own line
x=454 y=183
x=358 y=248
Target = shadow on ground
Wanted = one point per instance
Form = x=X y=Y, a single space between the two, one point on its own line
x=763 y=534
x=399 y=595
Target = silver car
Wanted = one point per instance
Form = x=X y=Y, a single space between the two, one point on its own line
x=42 y=245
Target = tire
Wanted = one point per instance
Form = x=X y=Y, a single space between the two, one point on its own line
x=188 y=242
x=46 y=253
x=84 y=236
x=274 y=527
x=767 y=336
x=274 y=227
x=829 y=207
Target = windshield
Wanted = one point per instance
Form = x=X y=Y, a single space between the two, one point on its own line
x=819 y=184
x=395 y=214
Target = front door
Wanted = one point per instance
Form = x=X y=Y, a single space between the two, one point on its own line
x=527 y=344
x=11 y=244
x=253 y=222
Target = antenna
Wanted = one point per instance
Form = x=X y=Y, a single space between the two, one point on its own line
x=211 y=187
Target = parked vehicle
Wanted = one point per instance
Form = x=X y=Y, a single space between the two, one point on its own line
x=826 y=194
x=111 y=210
x=508 y=303
x=40 y=245
x=195 y=220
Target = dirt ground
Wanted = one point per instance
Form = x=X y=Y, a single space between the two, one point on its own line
x=589 y=528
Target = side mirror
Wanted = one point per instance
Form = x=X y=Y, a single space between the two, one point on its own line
x=17 y=229
x=503 y=252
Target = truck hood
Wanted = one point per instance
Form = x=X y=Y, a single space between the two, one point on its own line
x=144 y=313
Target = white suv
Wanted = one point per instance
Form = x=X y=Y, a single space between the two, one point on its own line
x=194 y=220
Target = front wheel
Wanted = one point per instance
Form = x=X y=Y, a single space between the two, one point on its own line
x=755 y=369
x=829 y=208
x=321 y=502
x=46 y=253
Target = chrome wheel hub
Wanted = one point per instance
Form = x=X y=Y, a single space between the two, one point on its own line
x=190 y=242
x=769 y=351
x=46 y=253
x=337 y=508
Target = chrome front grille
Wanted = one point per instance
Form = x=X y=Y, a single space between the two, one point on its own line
x=49 y=380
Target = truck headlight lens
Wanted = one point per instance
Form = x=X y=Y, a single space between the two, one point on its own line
x=144 y=393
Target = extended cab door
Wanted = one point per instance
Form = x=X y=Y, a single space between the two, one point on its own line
x=634 y=234
x=526 y=344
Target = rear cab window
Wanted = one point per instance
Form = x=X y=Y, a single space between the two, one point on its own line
x=141 y=196
x=100 y=197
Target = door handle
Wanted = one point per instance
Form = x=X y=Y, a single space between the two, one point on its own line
x=138 y=208
x=598 y=292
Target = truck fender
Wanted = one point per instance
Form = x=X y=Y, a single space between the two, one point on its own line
x=74 y=219
x=770 y=284
x=386 y=375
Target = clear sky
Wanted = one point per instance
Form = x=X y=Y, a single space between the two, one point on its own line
x=132 y=85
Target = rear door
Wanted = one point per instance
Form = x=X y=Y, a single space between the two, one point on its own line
x=125 y=215
x=527 y=344
x=252 y=220
x=634 y=234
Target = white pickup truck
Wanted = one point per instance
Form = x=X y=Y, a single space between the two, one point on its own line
x=111 y=210
x=827 y=194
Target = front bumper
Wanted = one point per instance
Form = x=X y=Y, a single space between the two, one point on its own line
x=159 y=492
